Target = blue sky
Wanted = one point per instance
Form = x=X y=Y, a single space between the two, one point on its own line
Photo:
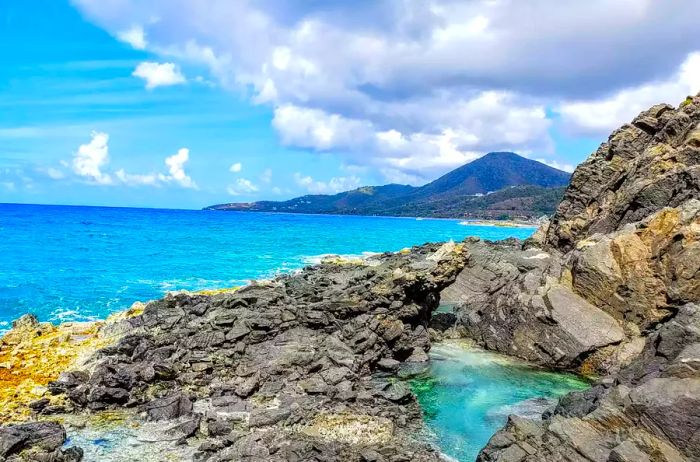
x=181 y=104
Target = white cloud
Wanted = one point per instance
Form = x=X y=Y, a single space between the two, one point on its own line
x=236 y=167
x=554 y=164
x=490 y=121
x=266 y=176
x=317 y=129
x=600 y=116
x=159 y=74
x=134 y=36
x=334 y=185
x=55 y=174
x=90 y=158
x=242 y=186
x=399 y=85
x=176 y=168
x=136 y=179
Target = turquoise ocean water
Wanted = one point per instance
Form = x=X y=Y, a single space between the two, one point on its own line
x=82 y=263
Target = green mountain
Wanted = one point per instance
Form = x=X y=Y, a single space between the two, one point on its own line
x=496 y=185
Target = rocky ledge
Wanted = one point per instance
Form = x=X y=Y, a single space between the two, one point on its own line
x=609 y=288
x=298 y=368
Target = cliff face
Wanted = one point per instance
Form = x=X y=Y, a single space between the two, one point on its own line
x=644 y=166
x=609 y=287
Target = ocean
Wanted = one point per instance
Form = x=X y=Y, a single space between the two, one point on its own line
x=65 y=263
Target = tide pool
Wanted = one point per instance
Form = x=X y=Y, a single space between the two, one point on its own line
x=83 y=263
x=467 y=395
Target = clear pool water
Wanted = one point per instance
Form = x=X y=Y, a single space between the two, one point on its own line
x=467 y=395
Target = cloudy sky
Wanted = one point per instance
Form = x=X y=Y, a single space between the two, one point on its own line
x=184 y=103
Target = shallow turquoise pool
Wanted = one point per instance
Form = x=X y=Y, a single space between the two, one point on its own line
x=467 y=395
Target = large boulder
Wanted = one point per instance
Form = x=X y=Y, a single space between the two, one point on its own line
x=640 y=273
x=511 y=300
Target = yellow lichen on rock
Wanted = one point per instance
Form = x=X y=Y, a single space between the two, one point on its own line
x=350 y=428
x=32 y=354
x=212 y=292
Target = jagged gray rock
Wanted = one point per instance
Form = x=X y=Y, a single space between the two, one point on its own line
x=510 y=300
x=646 y=165
x=36 y=441
x=286 y=370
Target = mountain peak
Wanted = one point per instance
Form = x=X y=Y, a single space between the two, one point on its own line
x=502 y=154
x=523 y=185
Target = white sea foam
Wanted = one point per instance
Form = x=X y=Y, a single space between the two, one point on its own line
x=532 y=408
x=71 y=315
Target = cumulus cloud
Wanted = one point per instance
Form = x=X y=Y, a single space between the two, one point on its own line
x=90 y=158
x=266 y=176
x=236 y=167
x=404 y=85
x=600 y=116
x=314 y=128
x=332 y=186
x=176 y=168
x=242 y=186
x=159 y=74
x=134 y=36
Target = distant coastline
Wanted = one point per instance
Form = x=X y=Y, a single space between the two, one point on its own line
x=499 y=186
x=501 y=223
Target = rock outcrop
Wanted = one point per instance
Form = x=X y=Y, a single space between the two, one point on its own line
x=650 y=411
x=645 y=166
x=514 y=301
x=33 y=354
x=295 y=369
x=608 y=288
x=36 y=441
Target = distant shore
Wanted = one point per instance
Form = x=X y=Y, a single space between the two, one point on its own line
x=501 y=223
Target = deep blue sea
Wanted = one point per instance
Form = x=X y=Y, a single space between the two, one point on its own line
x=82 y=263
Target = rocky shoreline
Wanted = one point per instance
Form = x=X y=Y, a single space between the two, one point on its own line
x=303 y=367
x=297 y=368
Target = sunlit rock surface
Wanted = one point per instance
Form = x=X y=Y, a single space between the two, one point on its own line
x=32 y=354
